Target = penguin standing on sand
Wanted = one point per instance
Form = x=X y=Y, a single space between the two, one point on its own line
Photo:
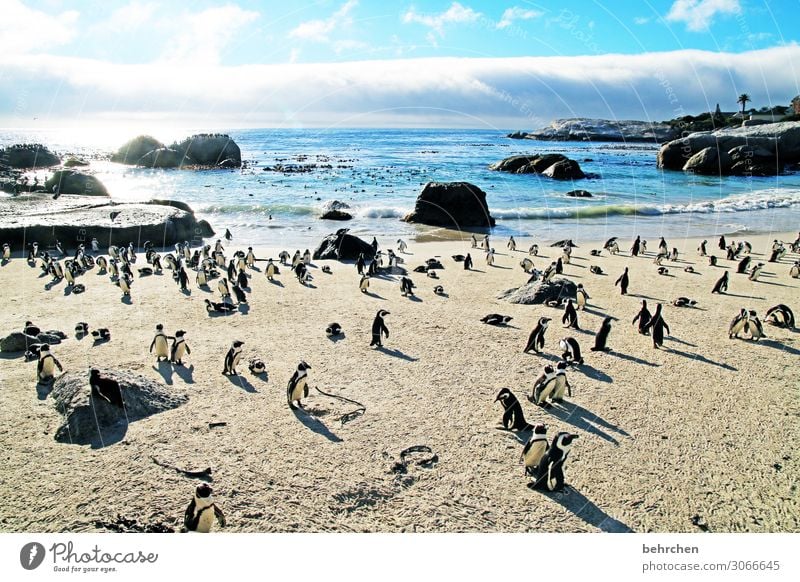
x=570 y=318
x=702 y=248
x=636 y=247
x=242 y=280
x=657 y=325
x=401 y=245
x=754 y=327
x=241 y=296
x=179 y=348
x=601 y=339
x=755 y=272
x=535 y=449
x=572 y=351
x=712 y=261
x=232 y=358
x=536 y=339
x=490 y=257
x=406 y=286
x=741 y=268
x=202 y=511
x=623 y=282
x=738 y=324
x=363 y=285
x=468 y=262
x=159 y=344
x=559 y=266
x=271 y=270
x=46 y=367
x=6 y=252
x=549 y=475
x=722 y=243
x=543 y=387
x=512 y=244
x=794 y=271
x=379 y=328
x=222 y=287
x=202 y=277
x=250 y=258
x=183 y=279
x=360 y=263
x=297 y=387
x=721 y=285
x=513 y=417
x=581 y=297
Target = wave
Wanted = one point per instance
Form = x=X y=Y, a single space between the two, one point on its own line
x=264 y=209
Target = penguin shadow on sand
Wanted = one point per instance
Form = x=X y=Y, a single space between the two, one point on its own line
x=276 y=283
x=595 y=374
x=374 y=295
x=587 y=421
x=395 y=353
x=43 y=389
x=126 y=299
x=771 y=343
x=641 y=296
x=185 y=373
x=51 y=284
x=205 y=289
x=315 y=425
x=415 y=298
x=337 y=338
x=164 y=367
x=68 y=291
x=633 y=359
x=699 y=358
x=244 y=308
x=186 y=292
x=242 y=383
x=581 y=507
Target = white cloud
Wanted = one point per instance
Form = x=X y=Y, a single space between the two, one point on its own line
x=24 y=29
x=456 y=14
x=640 y=20
x=699 y=14
x=130 y=17
x=517 y=13
x=320 y=30
x=205 y=35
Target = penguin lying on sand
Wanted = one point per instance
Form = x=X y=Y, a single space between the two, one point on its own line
x=780 y=315
x=496 y=319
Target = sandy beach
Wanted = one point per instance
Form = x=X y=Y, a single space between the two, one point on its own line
x=703 y=431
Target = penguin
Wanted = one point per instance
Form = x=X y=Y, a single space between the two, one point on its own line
x=623 y=282
x=468 y=262
x=306 y=257
x=6 y=252
x=485 y=243
x=562 y=385
x=297 y=387
x=513 y=417
x=657 y=325
x=57 y=271
x=794 y=271
x=490 y=257
x=549 y=273
x=526 y=264
x=595 y=252
x=635 y=248
x=662 y=245
x=722 y=244
x=333 y=330
x=438 y=290
x=572 y=351
x=673 y=256
x=432 y=274
x=222 y=287
x=496 y=319
x=684 y=302
x=81 y=329
x=536 y=339
x=179 y=348
x=755 y=272
x=360 y=263
x=549 y=475
x=46 y=367
x=543 y=387
x=778 y=252
x=241 y=296
x=601 y=339
x=95 y=245
x=157 y=268
x=581 y=297
x=754 y=327
x=721 y=286
x=374 y=244
x=271 y=270
x=559 y=266
x=232 y=358
x=301 y=272
x=712 y=261
x=231 y=270
x=780 y=315
x=363 y=285
x=512 y=244
x=79 y=288
x=218 y=248
x=125 y=284
x=101 y=334
x=284 y=257
x=535 y=449
x=406 y=286
x=701 y=250
x=663 y=271
x=30 y=329
x=534 y=250
x=102 y=264
x=595 y=270
x=202 y=511
x=106 y=388
x=746 y=247
x=202 y=277
x=738 y=324
x=70 y=278
x=159 y=344
x=223 y=307
x=145 y=271
x=570 y=318
x=474 y=241
x=257 y=366
x=689 y=269
x=327 y=270
x=296 y=259
x=611 y=246
x=741 y=268
x=401 y=245
x=250 y=258
x=183 y=279
x=659 y=258
x=379 y=328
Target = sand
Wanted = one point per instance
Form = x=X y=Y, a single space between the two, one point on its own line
x=706 y=428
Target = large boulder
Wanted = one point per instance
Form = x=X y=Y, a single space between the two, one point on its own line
x=335 y=210
x=132 y=151
x=102 y=419
x=75 y=162
x=29 y=155
x=539 y=292
x=452 y=205
x=584 y=129
x=512 y=164
x=709 y=161
x=17 y=341
x=163 y=158
x=564 y=170
x=557 y=166
x=341 y=246
x=210 y=149
x=75 y=182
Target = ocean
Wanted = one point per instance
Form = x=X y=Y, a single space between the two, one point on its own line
x=380 y=172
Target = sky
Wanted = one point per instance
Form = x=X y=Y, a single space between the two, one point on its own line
x=509 y=64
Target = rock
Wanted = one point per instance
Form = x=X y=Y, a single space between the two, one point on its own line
x=132 y=151
x=209 y=149
x=336 y=215
x=49 y=338
x=538 y=292
x=89 y=418
x=744 y=152
x=17 y=341
x=163 y=158
x=75 y=182
x=518 y=135
x=341 y=246
x=535 y=164
x=228 y=163
x=335 y=205
x=583 y=129
x=579 y=194
x=709 y=161
x=174 y=203
x=451 y=204
x=75 y=162
x=564 y=170
x=28 y=156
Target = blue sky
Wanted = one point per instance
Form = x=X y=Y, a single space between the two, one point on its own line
x=469 y=63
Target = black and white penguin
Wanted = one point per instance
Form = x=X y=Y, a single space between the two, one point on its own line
x=202 y=277
x=513 y=417
x=701 y=250
x=250 y=258
x=562 y=385
x=183 y=279
x=534 y=250
x=490 y=257
x=179 y=348
x=242 y=280
x=581 y=297
x=657 y=325
x=379 y=328
x=536 y=339
x=222 y=307
x=780 y=315
x=595 y=270
x=754 y=327
x=512 y=244
x=468 y=262
x=326 y=269
x=741 y=268
x=257 y=366
x=30 y=329
x=232 y=358
x=535 y=449
x=106 y=388
x=595 y=252
x=601 y=339
x=612 y=246
x=222 y=287
x=570 y=317
x=297 y=387
x=572 y=351
x=241 y=296
x=543 y=387
x=549 y=272
x=81 y=329
x=738 y=324
x=6 y=252
x=722 y=243
x=124 y=283
x=559 y=266
x=333 y=330
x=712 y=261
x=684 y=302
x=271 y=270
x=496 y=319
x=438 y=290
x=673 y=256
x=549 y=475
x=623 y=282
x=202 y=511
x=636 y=247
x=283 y=257
x=363 y=285
x=755 y=272
x=46 y=367
x=102 y=264
x=301 y=272
x=101 y=334
x=663 y=271
x=474 y=241
x=662 y=245
x=307 y=257
x=526 y=264
x=689 y=269
x=159 y=344
x=406 y=286
x=794 y=271
x=401 y=245
x=360 y=264
x=721 y=286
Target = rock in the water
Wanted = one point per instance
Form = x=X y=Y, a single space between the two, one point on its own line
x=579 y=194
x=336 y=215
x=341 y=246
x=538 y=292
x=88 y=418
x=17 y=341
x=163 y=158
x=75 y=162
x=75 y=182
x=754 y=161
x=228 y=163
x=584 y=129
x=32 y=155
x=132 y=151
x=452 y=205
x=709 y=161
x=557 y=166
x=210 y=149
x=564 y=170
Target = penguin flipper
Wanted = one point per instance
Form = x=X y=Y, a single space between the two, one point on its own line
x=219 y=515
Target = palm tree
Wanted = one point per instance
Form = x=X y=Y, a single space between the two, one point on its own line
x=743 y=99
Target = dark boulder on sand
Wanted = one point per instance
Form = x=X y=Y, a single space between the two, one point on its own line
x=452 y=205
x=75 y=182
x=99 y=419
x=132 y=151
x=17 y=341
x=539 y=292
x=32 y=155
x=342 y=246
x=210 y=149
